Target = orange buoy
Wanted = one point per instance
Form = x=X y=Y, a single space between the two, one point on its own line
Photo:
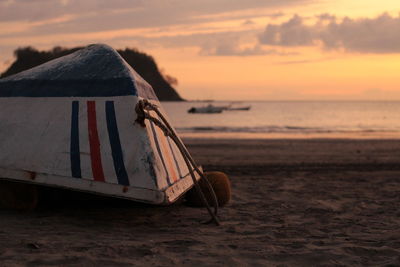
x=18 y=196
x=221 y=186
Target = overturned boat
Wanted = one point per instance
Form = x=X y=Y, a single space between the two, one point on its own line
x=88 y=122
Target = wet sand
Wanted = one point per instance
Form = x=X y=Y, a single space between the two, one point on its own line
x=295 y=203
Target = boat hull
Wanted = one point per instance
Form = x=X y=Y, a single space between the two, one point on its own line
x=67 y=124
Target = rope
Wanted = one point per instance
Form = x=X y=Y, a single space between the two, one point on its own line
x=143 y=109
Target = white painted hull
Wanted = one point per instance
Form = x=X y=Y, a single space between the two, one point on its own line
x=88 y=143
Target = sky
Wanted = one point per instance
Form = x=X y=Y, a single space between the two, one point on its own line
x=231 y=49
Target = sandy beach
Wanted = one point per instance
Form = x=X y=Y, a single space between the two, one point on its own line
x=306 y=202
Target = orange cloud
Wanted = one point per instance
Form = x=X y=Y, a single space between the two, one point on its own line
x=363 y=35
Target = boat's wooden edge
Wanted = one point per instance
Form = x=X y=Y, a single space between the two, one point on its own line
x=84 y=185
x=13 y=182
x=179 y=188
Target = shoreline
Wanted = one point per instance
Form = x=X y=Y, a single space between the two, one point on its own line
x=288 y=136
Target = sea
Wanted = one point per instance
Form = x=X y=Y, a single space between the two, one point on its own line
x=289 y=119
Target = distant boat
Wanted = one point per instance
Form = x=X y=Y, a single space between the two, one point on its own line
x=230 y=107
x=207 y=109
x=239 y=108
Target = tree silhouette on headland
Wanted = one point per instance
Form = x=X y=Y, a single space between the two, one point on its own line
x=145 y=65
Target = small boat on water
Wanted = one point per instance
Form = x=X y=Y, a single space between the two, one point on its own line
x=239 y=108
x=207 y=109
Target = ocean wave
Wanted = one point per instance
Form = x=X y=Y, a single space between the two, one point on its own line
x=275 y=129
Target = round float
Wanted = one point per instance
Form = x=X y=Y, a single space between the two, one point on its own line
x=221 y=186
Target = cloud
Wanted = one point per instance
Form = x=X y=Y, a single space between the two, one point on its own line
x=363 y=35
x=305 y=61
x=248 y=22
x=52 y=17
x=235 y=48
x=161 y=11
x=291 y=33
x=45 y=23
x=229 y=49
x=241 y=44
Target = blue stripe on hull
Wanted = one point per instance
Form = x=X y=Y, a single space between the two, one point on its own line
x=115 y=143
x=68 y=88
x=74 y=146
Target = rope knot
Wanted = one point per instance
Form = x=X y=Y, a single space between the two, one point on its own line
x=143 y=108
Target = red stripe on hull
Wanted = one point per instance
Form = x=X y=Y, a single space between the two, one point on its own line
x=95 y=155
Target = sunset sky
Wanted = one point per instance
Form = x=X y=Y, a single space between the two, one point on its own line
x=231 y=49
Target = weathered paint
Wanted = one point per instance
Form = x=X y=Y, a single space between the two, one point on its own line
x=115 y=143
x=74 y=148
x=95 y=156
x=61 y=136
